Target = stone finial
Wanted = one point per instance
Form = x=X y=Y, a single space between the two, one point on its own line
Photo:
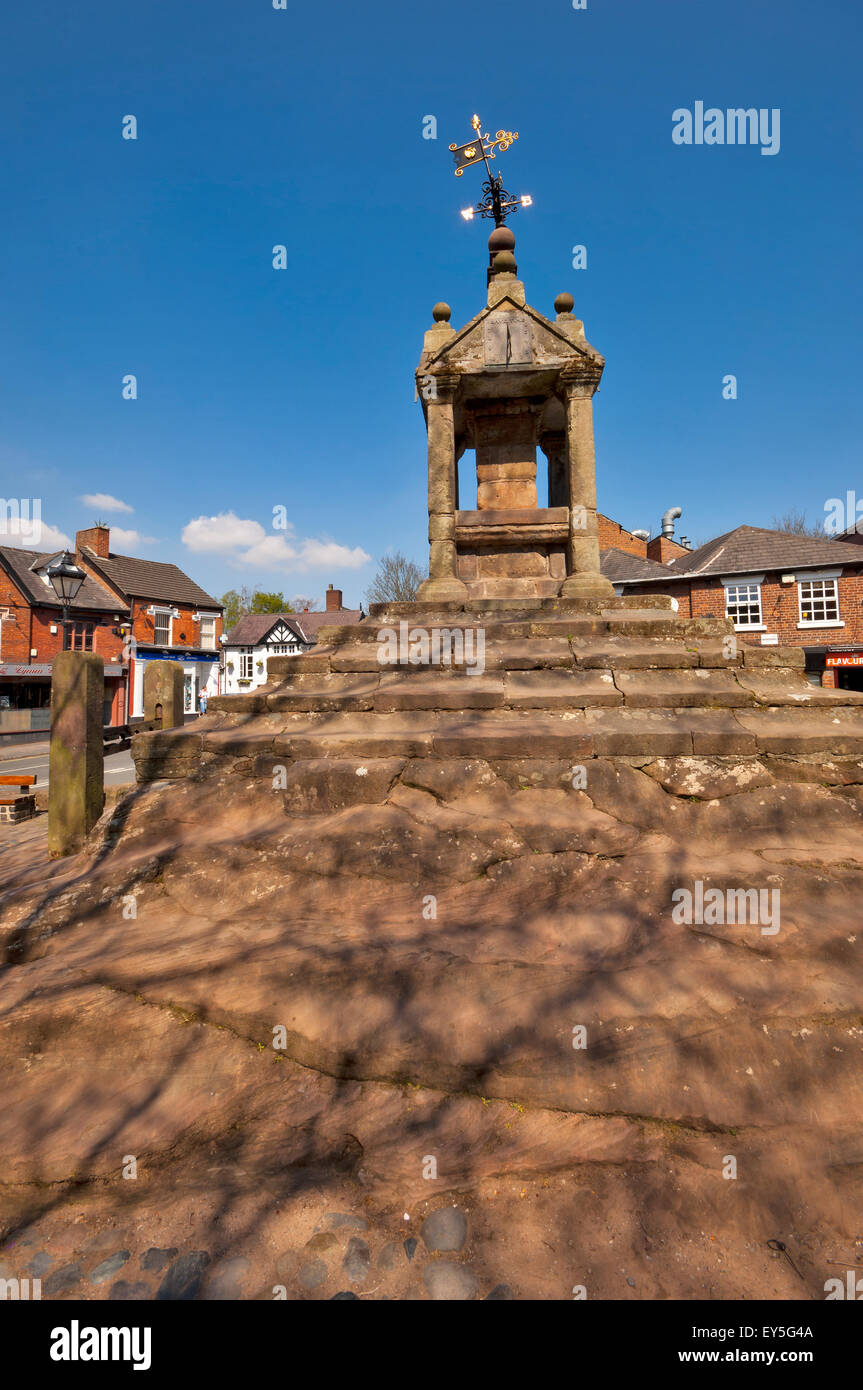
x=564 y=304
x=441 y=312
x=501 y=239
x=504 y=262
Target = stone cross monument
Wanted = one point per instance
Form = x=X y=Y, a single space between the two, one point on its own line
x=510 y=380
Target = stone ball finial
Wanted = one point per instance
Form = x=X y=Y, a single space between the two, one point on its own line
x=501 y=239
x=441 y=312
x=504 y=261
x=564 y=303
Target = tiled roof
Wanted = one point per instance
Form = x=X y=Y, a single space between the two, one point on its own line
x=20 y=564
x=620 y=565
x=252 y=630
x=151 y=579
x=748 y=549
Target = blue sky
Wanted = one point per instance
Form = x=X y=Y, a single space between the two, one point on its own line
x=260 y=388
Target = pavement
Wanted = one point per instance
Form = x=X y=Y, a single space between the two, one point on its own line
x=23 y=849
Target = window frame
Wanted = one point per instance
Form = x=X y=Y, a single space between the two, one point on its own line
x=822 y=577
x=84 y=628
x=210 y=619
x=746 y=581
x=163 y=613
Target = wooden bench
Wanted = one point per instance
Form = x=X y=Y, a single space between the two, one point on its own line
x=19 y=780
x=22 y=806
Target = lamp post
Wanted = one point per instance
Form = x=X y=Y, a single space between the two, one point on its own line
x=66 y=579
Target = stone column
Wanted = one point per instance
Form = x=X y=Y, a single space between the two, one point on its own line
x=553 y=445
x=76 y=791
x=163 y=693
x=443 y=583
x=584 y=579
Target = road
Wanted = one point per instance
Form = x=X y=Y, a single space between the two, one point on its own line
x=119 y=767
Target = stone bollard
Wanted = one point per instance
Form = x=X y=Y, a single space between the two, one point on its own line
x=76 y=792
x=163 y=693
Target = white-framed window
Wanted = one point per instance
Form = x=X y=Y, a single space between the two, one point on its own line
x=208 y=631
x=162 y=624
x=743 y=601
x=819 y=601
x=246 y=663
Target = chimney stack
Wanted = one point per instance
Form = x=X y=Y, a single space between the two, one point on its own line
x=96 y=538
x=334 y=599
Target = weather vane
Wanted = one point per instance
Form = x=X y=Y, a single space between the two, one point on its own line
x=496 y=202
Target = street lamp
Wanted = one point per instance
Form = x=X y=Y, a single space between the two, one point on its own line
x=66 y=579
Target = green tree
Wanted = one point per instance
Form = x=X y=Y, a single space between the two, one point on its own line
x=236 y=605
x=263 y=602
x=396 y=581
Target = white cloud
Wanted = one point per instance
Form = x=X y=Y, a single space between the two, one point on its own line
x=318 y=555
x=122 y=540
x=248 y=544
x=104 y=502
x=32 y=534
x=222 y=534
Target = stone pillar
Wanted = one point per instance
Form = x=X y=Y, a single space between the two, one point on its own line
x=582 y=553
x=76 y=791
x=163 y=693
x=443 y=583
x=553 y=445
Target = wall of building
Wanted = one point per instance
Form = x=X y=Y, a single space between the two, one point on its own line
x=613 y=537
x=14 y=636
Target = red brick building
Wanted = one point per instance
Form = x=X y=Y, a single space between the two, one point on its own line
x=127 y=611
x=170 y=616
x=778 y=589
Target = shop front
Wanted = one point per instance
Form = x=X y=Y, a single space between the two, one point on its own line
x=25 y=697
x=200 y=673
x=847 y=666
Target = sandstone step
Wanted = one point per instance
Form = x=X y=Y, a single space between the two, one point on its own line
x=804 y=731
x=325 y=692
x=422 y=689
x=770 y=688
x=637 y=622
x=560 y=689
x=632 y=654
x=519 y=736
x=531 y=655
x=682 y=689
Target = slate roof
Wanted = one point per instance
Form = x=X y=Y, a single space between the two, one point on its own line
x=151 y=579
x=750 y=549
x=252 y=630
x=20 y=564
x=620 y=565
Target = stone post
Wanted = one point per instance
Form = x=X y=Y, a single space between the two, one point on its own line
x=553 y=445
x=584 y=579
x=76 y=793
x=163 y=693
x=443 y=583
